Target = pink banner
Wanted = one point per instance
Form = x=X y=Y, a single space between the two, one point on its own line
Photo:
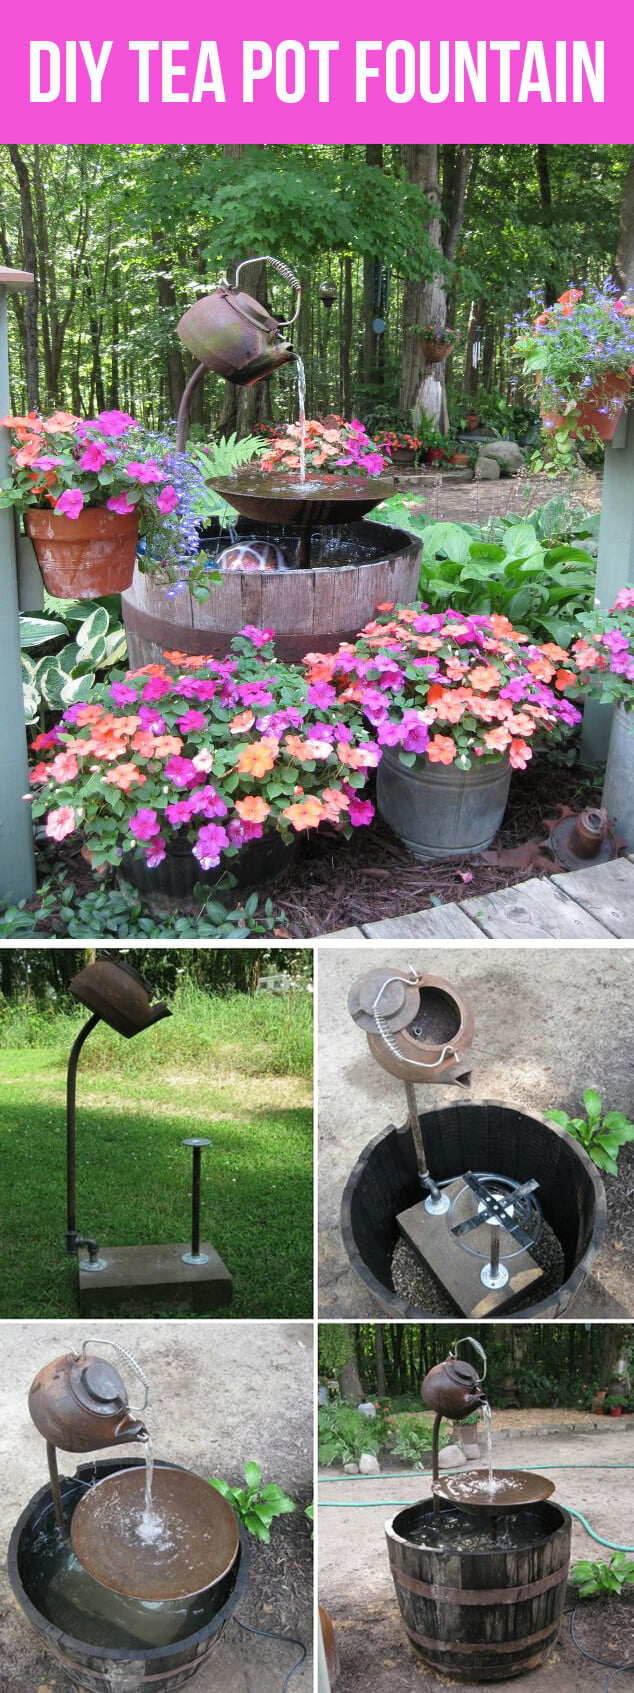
x=147 y=73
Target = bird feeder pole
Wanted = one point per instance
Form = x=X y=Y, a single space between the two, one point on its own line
x=17 y=858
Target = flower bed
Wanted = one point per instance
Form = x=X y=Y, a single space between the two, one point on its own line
x=328 y=447
x=217 y=753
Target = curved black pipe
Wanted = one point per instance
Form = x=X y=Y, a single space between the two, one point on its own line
x=73 y=1240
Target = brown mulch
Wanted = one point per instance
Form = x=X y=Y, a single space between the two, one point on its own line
x=604 y=1627
x=337 y=883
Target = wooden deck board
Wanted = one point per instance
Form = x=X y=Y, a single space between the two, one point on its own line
x=439 y=922
x=534 y=910
x=592 y=904
x=606 y=894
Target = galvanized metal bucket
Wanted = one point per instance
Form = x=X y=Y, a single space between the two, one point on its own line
x=438 y=811
x=618 y=788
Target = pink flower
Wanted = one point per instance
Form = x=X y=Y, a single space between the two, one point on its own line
x=148 y=472
x=360 y=811
x=121 y=505
x=167 y=500
x=258 y=637
x=144 y=824
x=115 y=422
x=122 y=693
x=94 y=457
x=154 y=853
x=70 y=503
x=46 y=462
x=211 y=842
x=180 y=771
x=60 y=823
x=64 y=767
x=189 y=721
x=179 y=811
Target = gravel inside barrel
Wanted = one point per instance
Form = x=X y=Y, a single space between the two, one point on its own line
x=412 y=1281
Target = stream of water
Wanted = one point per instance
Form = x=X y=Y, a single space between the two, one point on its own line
x=488 y=1429
x=301 y=402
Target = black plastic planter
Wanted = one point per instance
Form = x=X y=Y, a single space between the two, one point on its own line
x=97 y=1669
x=466 y=1136
x=173 y=881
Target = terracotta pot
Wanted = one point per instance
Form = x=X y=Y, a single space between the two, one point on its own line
x=616 y=1410
x=435 y=352
x=612 y=393
x=84 y=557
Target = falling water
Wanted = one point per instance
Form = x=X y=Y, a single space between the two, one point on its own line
x=486 y=1417
x=301 y=401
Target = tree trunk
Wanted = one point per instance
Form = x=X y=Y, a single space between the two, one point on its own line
x=174 y=361
x=624 y=266
x=380 y=1360
x=371 y=366
x=348 y=1376
x=30 y=263
x=425 y=299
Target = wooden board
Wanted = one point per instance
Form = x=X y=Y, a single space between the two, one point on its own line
x=535 y=910
x=605 y=894
x=441 y=922
x=458 y=1271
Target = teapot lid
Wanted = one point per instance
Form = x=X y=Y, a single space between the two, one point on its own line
x=395 y=996
x=97 y=1386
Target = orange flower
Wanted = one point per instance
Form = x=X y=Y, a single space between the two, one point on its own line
x=358 y=758
x=565 y=679
x=144 y=742
x=30 y=451
x=89 y=714
x=522 y=724
x=39 y=773
x=551 y=650
x=519 y=754
x=500 y=625
x=305 y=750
x=59 y=422
x=441 y=750
x=428 y=643
x=244 y=720
x=449 y=706
x=388 y=605
x=253 y=809
x=541 y=668
x=498 y=739
x=166 y=745
x=333 y=803
x=586 y=656
x=307 y=814
x=259 y=758
x=485 y=677
x=124 y=776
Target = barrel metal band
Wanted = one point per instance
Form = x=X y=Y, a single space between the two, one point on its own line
x=479 y=1595
x=484 y=1647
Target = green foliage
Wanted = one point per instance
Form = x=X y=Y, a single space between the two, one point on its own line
x=602 y=1136
x=412 y=1439
x=543 y=588
x=334 y=1349
x=604 y=1577
x=255 y=1505
x=118 y=912
x=536 y=1387
x=344 y=1433
x=67 y=674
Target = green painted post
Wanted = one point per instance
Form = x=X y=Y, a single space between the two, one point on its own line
x=615 y=565
x=17 y=859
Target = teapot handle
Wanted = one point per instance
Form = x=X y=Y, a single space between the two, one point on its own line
x=285 y=271
x=136 y=1410
x=462 y=1341
x=448 y=1050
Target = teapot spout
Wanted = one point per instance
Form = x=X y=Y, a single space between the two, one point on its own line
x=129 y=1428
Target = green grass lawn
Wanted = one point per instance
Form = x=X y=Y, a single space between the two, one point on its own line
x=235 y=1068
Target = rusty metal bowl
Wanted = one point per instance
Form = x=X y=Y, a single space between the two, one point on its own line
x=520 y=1488
x=318 y=500
x=199 y=1545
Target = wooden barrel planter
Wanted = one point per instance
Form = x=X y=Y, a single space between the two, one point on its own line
x=487 y=1615
x=466 y=1136
x=104 y=1669
x=365 y=565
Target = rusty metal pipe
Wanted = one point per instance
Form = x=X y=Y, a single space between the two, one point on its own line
x=195 y=1256
x=414 y=1123
x=182 y=422
x=55 y=1488
x=435 y=1468
x=72 y=1237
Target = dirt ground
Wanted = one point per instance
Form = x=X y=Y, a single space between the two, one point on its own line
x=356 y=1587
x=549 y=1021
x=219 y=1397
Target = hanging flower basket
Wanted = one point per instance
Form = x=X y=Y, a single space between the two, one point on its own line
x=435 y=352
x=84 y=557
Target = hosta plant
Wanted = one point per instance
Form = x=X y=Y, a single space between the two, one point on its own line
x=255 y=1505
x=603 y=1577
x=213 y=753
x=601 y=1135
x=67 y=674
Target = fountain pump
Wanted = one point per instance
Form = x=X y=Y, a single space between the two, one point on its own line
x=124 y=1276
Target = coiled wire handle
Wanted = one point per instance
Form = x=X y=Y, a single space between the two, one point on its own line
x=386 y=1034
x=123 y=1351
x=285 y=271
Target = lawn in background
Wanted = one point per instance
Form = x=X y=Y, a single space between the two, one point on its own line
x=236 y=1068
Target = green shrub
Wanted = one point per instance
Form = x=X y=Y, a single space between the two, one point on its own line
x=604 y=1577
x=344 y=1433
x=255 y=1505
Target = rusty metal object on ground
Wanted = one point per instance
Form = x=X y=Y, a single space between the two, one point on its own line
x=576 y=839
x=79 y=1403
x=419 y=1027
x=512 y=1491
x=196 y=1547
x=118 y=995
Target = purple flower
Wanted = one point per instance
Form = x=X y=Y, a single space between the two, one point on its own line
x=155 y=688
x=70 y=503
x=180 y=771
x=239 y=831
x=207 y=801
x=154 y=853
x=258 y=637
x=190 y=721
x=211 y=842
x=151 y=720
x=321 y=694
x=179 y=811
x=144 y=824
x=389 y=734
x=122 y=693
x=360 y=811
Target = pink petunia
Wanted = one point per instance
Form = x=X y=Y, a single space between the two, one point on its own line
x=70 y=503
x=146 y=472
x=121 y=505
x=154 y=853
x=212 y=840
x=360 y=811
x=144 y=824
x=94 y=457
x=60 y=823
x=122 y=693
x=115 y=423
x=190 y=721
x=167 y=500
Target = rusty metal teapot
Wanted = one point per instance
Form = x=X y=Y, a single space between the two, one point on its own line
x=234 y=335
x=419 y=1027
x=454 y=1388
x=80 y=1403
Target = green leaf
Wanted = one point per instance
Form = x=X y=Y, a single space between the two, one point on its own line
x=221 y=1487
x=252 y=1474
x=593 y=1104
x=96 y=624
x=36 y=631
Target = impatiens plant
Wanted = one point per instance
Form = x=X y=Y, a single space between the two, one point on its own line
x=604 y=652
x=329 y=448
x=394 y=441
x=574 y=351
x=211 y=752
x=450 y=687
x=62 y=462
